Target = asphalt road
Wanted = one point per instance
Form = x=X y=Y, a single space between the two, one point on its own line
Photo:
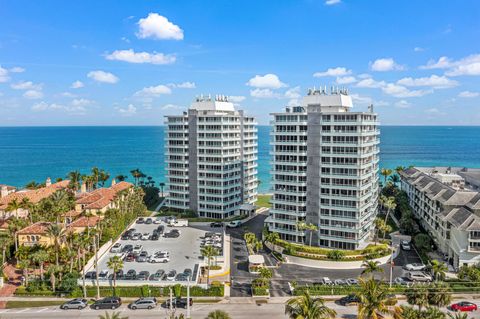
x=285 y=273
x=236 y=311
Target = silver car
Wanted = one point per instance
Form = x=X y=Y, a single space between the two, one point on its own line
x=143 y=303
x=77 y=303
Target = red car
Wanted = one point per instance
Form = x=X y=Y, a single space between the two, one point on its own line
x=463 y=306
x=130 y=257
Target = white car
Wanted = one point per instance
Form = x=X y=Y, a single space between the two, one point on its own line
x=234 y=224
x=158 y=259
x=401 y=281
x=415 y=266
x=137 y=249
x=405 y=245
x=157 y=220
x=419 y=276
x=327 y=281
x=162 y=253
x=116 y=248
x=145 y=236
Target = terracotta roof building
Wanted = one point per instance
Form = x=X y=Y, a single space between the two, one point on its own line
x=102 y=199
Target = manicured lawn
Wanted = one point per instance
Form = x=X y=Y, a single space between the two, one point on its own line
x=32 y=303
x=264 y=201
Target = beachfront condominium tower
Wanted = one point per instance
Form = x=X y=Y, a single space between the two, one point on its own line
x=324 y=171
x=211 y=159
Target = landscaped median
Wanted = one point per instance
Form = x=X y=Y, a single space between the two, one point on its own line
x=327 y=258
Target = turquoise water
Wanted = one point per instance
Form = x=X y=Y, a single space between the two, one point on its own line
x=34 y=153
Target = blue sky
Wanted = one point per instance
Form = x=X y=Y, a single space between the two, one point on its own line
x=131 y=62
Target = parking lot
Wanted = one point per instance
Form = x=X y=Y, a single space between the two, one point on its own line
x=183 y=252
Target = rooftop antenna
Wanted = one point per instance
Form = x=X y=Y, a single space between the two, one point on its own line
x=370 y=108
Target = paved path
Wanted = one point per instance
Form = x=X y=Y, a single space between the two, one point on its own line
x=11 y=285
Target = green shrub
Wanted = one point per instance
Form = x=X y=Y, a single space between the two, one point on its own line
x=335 y=254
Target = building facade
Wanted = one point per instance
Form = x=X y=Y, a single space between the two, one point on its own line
x=325 y=171
x=446 y=202
x=211 y=159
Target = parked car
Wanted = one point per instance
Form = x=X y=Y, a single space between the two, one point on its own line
x=103 y=275
x=350 y=300
x=143 y=303
x=145 y=236
x=171 y=275
x=181 y=277
x=178 y=302
x=401 y=281
x=415 y=266
x=125 y=236
x=352 y=281
x=405 y=245
x=216 y=225
x=142 y=257
x=141 y=220
x=419 y=276
x=179 y=223
x=143 y=275
x=131 y=275
x=107 y=303
x=340 y=282
x=154 y=236
x=91 y=275
x=160 y=229
x=119 y=275
x=148 y=221
x=174 y=233
x=137 y=249
x=127 y=248
x=158 y=275
x=130 y=257
x=162 y=253
x=464 y=306
x=116 y=248
x=188 y=272
x=327 y=281
x=77 y=303
x=234 y=224
x=158 y=259
x=136 y=236
x=157 y=220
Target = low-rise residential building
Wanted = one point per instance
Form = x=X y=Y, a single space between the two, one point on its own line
x=446 y=201
x=35 y=234
x=102 y=199
x=81 y=224
x=6 y=189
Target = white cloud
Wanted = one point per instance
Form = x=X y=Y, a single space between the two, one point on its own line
x=403 y=104
x=184 y=85
x=236 y=98
x=77 y=85
x=469 y=65
x=385 y=64
x=346 y=80
x=67 y=94
x=434 y=81
x=141 y=57
x=402 y=92
x=363 y=100
x=128 y=111
x=339 y=71
x=294 y=95
x=468 y=94
x=263 y=93
x=332 y=2
x=370 y=83
x=158 y=27
x=418 y=49
x=154 y=91
x=4 y=75
x=171 y=107
x=102 y=76
x=33 y=94
x=26 y=85
x=434 y=111
x=364 y=76
x=81 y=102
x=44 y=106
x=17 y=69
x=267 y=81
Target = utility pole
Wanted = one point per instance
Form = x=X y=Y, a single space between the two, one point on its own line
x=391 y=266
x=96 y=264
x=171 y=299
x=188 y=298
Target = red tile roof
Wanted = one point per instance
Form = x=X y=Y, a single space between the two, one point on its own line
x=85 y=222
x=37 y=228
x=34 y=195
x=102 y=197
x=120 y=186
x=71 y=213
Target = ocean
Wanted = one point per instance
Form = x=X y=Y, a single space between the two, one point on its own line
x=35 y=153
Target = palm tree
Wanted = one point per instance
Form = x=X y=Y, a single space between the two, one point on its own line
x=121 y=177
x=218 y=314
x=5 y=242
x=399 y=169
x=136 y=174
x=265 y=274
x=56 y=232
x=458 y=315
x=301 y=225
x=114 y=315
x=40 y=257
x=27 y=205
x=74 y=177
x=13 y=206
x=32 y=185
x=272 y=238
x=95 y=176
x=103 y=177
x=439 y=294
x=374 y=300
x=390 y=205
x=417 y=296
x=371 y=267
x=24 y=265
x=115 y=263
x=209 y=252
x=162 y=185
x=438 y=269
x=306 y=307
x=386 y=172
x=395 y=179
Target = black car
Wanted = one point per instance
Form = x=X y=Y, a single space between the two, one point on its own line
x=216 y=224
x=127 y=248
x=107 y=303
x=160 y=229
x=174 y=233
x=178 y=303
x=350 y=300
x=131 y=275
x=154 y=236
x=119 y=276
x=125 y=236
x=91 y=275
x=148 y=221
x=143 y=275
x=141 y=220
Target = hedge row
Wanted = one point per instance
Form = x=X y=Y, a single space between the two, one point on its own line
x=324 y=251
x=259 y=291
